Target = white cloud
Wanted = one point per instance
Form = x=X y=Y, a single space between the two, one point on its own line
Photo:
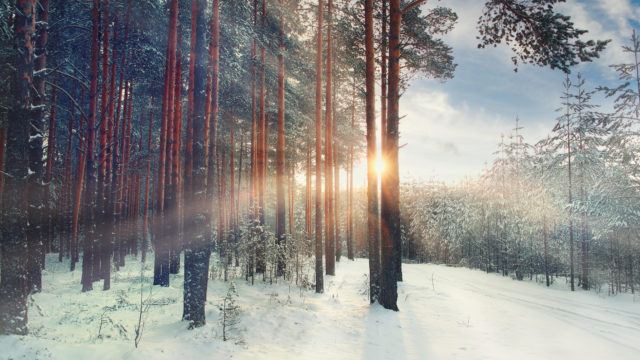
x=449 y=143
x=452 y=130
x=620 y=12
x=604 y=19
x=445 y=142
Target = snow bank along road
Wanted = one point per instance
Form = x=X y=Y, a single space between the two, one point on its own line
x=446 y=313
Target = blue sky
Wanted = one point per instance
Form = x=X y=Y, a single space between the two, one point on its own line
x=452 y=129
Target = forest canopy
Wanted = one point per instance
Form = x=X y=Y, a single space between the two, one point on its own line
x=217 y=140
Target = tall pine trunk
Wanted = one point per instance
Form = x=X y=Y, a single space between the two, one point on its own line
x=373 y=224
x=329 y=245
x=318 y=120
x=36 y=192
x=350 y=239
x=3 y=141
x=397 y=245
x=232 y=188
x=109 y=171
x=390 y=206
x=584 y=226
x=197 y=245
x=77 y=190
x=292 y=194
x=103 y=258
x=261 y=154
x=176 y=179
x=254 y=122
x=384 y=42
x=307 y=199
x=48 y=229
x=571 y=243
x=280 y=166
x=13 y=285
x=51 y=210
x=147 y=190
x=211 y=117
x=188 y=148
x=88 y=246
x=162 y=252
x=67 y=186
x=336 y=185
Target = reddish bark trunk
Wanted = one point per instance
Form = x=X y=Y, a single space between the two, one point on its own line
x=147 y=188
x=336 y=208
x=329 y=246
x=197 y=246
x=232 y=181
x=350 y=252
x=36 y=192
x=280 y=165
x=372 y=176
x=220 y=165
x=308 y=200
x=67 y=192
x=126 y=177
x=13 y=287
x=318 y=120
x=336 y=184
x=261 y=149
x=121 y=85
x=103 y=231
x=188 y=151
x=104 y=121
x=48 y=232
x=77 y=201
x=212 y=120
x=383 y=74
x=48 y=174
x=111 y=121
x=292 y=194
x=88 y=249
x=307 y=192
x=176 y=245
x=162 y=253
x=254 y=121
x=390 y=206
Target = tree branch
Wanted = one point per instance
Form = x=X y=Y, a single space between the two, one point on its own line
x=411 y=5
x=75 y=103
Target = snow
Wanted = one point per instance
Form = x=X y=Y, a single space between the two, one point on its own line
x=34 y=137
x=445 y=313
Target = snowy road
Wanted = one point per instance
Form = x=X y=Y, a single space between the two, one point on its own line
x=446 y=313
x=485 y=316
x=455 y=313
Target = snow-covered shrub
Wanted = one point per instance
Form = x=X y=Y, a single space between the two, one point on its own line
x=230 y=313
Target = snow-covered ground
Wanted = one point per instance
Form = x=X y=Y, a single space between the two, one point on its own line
x=445 y=313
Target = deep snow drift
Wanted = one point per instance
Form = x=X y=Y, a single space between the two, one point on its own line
x=445 y=313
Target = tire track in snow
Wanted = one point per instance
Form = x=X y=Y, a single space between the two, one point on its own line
x=571 y=317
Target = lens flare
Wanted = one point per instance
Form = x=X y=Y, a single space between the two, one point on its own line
x=380 y=166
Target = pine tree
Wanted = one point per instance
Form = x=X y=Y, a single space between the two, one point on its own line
x=373 y=227
x=318 y=140
x=329 y=244
x=36 y=191
x=280 y=149
x=13 y=286
x=229 y=313
x=197 y=247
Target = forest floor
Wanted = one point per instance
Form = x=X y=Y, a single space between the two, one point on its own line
x=445 y=313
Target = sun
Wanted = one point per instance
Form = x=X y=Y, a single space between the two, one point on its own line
x=380 y=166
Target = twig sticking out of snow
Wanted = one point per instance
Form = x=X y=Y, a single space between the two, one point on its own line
x=433 y=285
